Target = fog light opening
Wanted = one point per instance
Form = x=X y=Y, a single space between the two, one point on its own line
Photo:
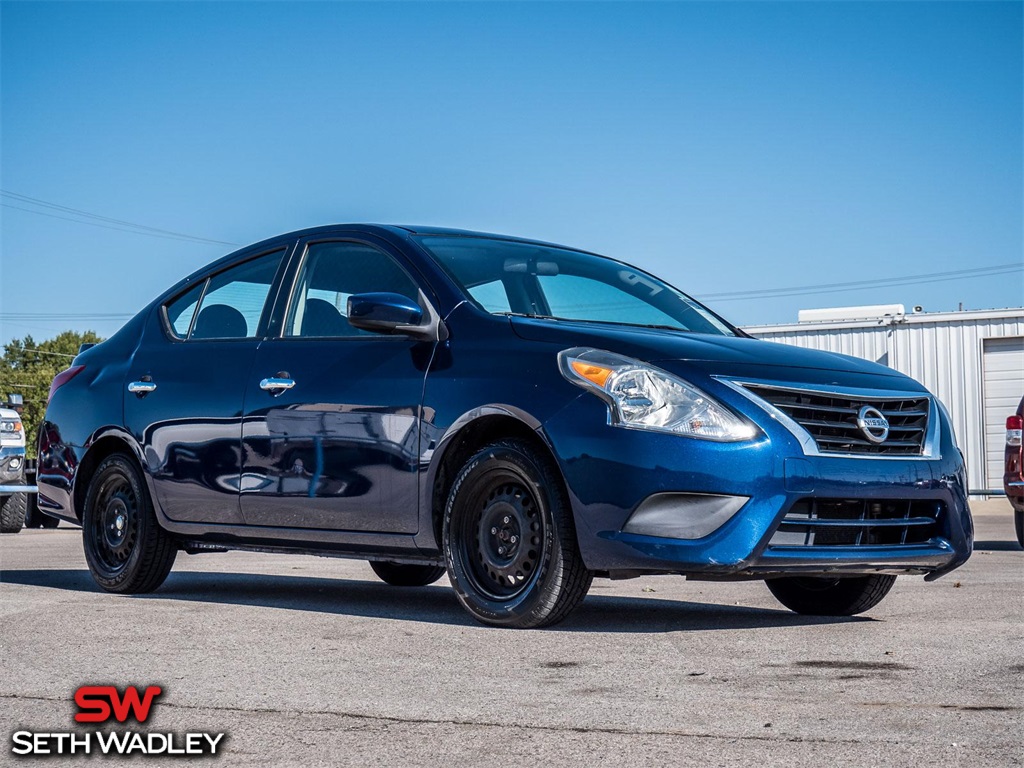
x=683 y=515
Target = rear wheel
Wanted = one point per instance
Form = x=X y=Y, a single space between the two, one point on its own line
x=12 y=512
x=817 y=596
x=509 y=539
x=1018 y=523
x=401 y=575
x=126 y=549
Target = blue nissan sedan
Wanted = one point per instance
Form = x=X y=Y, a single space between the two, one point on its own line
x=523 y=416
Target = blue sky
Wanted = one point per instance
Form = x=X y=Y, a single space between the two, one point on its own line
x=727 y=147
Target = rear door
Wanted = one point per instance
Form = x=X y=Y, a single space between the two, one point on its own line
x=332 y=413
x=186 y=384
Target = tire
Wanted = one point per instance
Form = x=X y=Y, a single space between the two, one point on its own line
x=34 y=518
x=1018 y=523
x=126 y=549
x=401 y=575
x=823 y=596
x=12 y=512
x=504 y=579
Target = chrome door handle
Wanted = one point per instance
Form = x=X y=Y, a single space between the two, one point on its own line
x=141 y=387
x=274 y=383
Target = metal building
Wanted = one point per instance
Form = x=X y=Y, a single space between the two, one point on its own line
x=973 y=361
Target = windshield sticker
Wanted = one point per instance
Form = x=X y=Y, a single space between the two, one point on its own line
x=635 y=280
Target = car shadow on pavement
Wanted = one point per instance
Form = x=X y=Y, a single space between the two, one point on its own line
x=608 y=613
x=434 y=604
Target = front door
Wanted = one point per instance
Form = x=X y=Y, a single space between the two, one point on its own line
x=332 y=413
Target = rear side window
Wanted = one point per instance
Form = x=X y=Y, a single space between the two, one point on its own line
x=331 y=273
x=182 y=310
x=228 y=305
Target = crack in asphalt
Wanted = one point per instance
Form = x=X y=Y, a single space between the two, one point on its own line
x=468 y=723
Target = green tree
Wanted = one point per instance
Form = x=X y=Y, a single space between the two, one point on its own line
x=28 y=368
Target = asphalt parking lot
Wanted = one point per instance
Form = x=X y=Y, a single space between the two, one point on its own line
x=310 y=661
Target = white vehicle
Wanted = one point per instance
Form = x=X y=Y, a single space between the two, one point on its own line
x=13 y=505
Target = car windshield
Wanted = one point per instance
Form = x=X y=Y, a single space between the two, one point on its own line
x=515 y=278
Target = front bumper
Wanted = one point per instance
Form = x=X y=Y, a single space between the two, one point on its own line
x=610 y=472
x=12 y=465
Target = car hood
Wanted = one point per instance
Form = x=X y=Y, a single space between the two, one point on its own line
x=728 y=356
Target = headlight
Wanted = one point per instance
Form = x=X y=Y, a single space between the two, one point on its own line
x=949 y=421
x=644 y=397
x=12 y=432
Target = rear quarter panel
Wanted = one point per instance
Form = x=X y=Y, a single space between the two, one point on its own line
x=82 y=412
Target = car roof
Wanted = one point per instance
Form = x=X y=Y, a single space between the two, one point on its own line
x=396 y=230
x=419 y=229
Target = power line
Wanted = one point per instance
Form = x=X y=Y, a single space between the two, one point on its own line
x=65 y=315
x=34 y=351
x=60 y=315
x=933 y=277
x=94 y=223
x=139 y=229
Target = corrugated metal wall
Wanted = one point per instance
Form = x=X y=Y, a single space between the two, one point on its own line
x=944 y=354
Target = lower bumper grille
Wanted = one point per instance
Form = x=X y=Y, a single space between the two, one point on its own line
x=859 y=522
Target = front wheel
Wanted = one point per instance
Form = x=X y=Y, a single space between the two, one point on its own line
x=126 y=549
x=509 y=539
x=1018 y=523
x=12 y=512
x=402 y=575
x=818 y=596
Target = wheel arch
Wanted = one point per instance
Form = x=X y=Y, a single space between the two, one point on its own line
x=467 y=435
x=101 y=445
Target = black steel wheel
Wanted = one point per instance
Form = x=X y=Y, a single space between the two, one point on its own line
x=125 y=547
x=12 y=512
x=402 y=575
x=825 y=596
x=509 y=539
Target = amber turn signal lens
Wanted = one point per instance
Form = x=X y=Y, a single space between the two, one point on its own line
x=595 y=373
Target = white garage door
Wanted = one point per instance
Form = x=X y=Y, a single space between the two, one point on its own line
x=1003 y=372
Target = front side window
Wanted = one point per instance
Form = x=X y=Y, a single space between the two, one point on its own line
x=508 y=277
x=491 y=296
x=228 y=305
x=331 y=273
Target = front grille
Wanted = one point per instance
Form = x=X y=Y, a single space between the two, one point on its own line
x=858 y=523
x=831 y=419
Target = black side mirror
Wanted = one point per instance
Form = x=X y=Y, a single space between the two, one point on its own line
x=385 y=313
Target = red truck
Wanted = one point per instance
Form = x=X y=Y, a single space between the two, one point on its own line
x=1013 y=474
